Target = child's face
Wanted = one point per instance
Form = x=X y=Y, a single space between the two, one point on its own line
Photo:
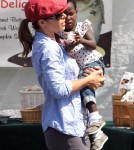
x=71 y=17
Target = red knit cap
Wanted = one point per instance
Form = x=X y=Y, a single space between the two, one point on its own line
x=37 y=9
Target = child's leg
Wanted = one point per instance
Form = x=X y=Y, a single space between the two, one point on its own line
x=94 y=129
x=99 y=140
x=96 y=121
x=94 y=114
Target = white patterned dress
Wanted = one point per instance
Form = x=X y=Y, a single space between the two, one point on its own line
x=83 y=55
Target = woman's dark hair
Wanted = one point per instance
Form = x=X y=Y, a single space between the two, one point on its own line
x=72 y=1
x=25 y=36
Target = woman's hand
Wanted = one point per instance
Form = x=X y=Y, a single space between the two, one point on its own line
x=96 y=75
x=88 y=71
x=93 y=79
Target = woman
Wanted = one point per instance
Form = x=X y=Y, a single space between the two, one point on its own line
x=57 y=72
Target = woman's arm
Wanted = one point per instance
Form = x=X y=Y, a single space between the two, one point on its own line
x=94 y=80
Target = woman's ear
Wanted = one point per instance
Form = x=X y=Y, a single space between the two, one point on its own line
x=41 y=22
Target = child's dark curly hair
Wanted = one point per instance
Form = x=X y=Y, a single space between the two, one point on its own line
x=72 y=1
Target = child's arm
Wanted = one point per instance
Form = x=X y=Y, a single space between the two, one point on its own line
x=68 y=46
x=87 y=40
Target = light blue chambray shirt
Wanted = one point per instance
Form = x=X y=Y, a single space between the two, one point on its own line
x=55 y=69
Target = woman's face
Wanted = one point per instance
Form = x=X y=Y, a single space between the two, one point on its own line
x=53 y=24
x=57 y=22
x=71 y=17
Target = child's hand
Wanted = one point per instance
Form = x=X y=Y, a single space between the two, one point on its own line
x=78 y=38
x=68 y=46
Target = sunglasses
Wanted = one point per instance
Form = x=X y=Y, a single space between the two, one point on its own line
x=57 y=16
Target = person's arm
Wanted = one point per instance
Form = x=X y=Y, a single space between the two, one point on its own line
x=94 y=80
x=54 y=73
x=87 y=40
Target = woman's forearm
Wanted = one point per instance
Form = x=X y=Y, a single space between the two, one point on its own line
x=94 y=80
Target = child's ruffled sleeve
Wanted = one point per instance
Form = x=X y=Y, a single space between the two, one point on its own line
x=87 y=24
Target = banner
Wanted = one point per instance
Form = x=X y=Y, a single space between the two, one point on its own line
x=11 y=13
x=99 y=12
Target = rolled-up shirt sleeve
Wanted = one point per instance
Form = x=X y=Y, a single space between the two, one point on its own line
x=55 y=72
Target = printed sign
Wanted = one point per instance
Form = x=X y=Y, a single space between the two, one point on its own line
x=12 y=12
